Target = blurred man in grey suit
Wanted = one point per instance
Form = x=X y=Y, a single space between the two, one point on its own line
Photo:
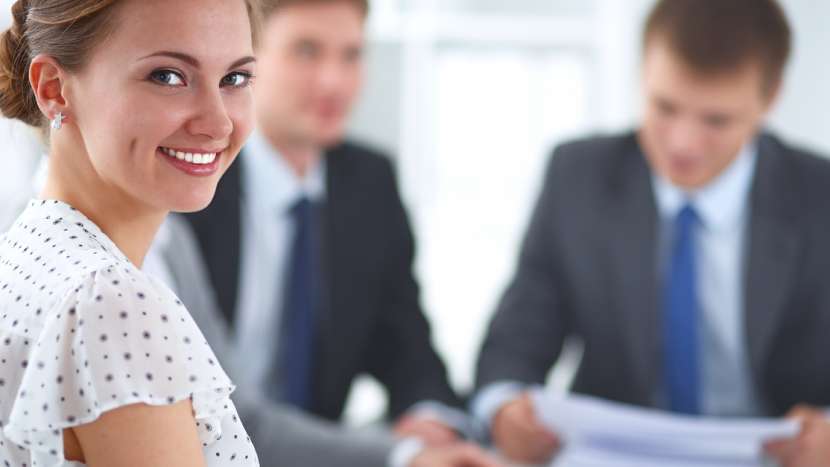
x=690 y=257
x=300 y=270
x=284 y=436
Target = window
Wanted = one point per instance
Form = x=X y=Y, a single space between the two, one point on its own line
x=471 y=96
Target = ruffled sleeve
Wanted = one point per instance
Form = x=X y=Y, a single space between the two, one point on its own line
x=117 y=338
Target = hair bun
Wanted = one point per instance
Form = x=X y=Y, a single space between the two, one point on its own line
x=17 y=100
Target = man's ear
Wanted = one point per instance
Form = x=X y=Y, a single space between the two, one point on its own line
x=47 y=78
x=772 y=93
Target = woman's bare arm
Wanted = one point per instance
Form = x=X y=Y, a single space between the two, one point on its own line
x=138 y=435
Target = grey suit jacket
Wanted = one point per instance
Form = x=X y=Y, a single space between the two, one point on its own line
x=282 y=436
x=588 y=268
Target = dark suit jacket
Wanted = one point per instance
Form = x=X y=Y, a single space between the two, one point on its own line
x=588 y=268
x=370 y=319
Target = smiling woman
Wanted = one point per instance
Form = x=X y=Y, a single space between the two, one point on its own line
x=144 y=112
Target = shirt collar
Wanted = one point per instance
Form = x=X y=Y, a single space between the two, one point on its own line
x=271 y=183
x=722 y=203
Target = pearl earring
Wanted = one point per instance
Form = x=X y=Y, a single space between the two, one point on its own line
x=57 y=122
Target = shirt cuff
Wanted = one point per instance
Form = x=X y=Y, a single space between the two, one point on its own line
x=405 y=452
x=454 y=418
x=491 y=399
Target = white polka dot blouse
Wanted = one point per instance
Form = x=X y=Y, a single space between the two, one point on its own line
x=84 y=331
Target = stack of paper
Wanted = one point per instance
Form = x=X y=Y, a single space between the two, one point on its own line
x=602 y=433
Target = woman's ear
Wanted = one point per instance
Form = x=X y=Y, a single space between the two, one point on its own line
x=47 y=78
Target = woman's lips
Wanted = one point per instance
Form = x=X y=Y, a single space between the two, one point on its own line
x=192 y=162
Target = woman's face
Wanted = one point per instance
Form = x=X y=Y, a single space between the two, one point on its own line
x=164 y=104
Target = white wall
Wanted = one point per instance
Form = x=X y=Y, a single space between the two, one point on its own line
x=803 y=114
x=19 y=148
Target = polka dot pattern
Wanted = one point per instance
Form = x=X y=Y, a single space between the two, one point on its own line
x=83 y=331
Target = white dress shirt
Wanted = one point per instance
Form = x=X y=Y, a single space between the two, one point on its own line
x=269 y=191
x=722 y=205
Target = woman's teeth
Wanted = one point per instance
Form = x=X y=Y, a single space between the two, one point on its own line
x=193 y=158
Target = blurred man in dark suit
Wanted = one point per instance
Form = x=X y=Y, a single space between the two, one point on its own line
x=309 y=251
x=690 y=256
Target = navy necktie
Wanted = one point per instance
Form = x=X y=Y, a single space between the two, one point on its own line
x=297 y=330
x=682 y=372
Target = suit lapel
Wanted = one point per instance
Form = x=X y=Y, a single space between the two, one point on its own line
x=331 y=224
x=633 y=246
x=772 y=250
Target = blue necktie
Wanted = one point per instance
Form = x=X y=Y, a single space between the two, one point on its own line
x=682 y=373
x=297 y=330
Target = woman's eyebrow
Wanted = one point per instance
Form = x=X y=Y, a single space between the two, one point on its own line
x=193 y=61
x=242 y=61
x=190 y=60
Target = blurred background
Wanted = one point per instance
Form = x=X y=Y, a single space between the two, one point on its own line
x=470 y=96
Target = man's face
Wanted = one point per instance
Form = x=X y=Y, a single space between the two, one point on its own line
x=310 y=72
x=695 y=124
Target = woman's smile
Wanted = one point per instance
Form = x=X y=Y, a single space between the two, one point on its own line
x=197 y=162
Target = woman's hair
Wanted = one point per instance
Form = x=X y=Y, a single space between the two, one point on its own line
x=66 y=30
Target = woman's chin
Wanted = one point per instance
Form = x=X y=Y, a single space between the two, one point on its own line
x=193 y=202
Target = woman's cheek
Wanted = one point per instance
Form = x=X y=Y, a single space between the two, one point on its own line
x=241 y=112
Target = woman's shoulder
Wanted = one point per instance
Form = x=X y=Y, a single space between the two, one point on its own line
x=53 y=243
x=117 y=338
x=120 y=285
x=55 y=262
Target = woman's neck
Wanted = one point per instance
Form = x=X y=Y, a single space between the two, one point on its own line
x=128 y=222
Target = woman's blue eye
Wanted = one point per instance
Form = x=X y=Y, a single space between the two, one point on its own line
x=237 y=79
x=167 y=78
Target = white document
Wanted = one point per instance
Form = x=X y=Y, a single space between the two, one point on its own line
x=601 y=433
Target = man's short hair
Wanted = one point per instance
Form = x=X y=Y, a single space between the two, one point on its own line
x=716 y=36
x=270 y=7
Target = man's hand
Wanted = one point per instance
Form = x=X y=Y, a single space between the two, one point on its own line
x=431 y=432
x=520 y=436
x=811 y=448
x=455 y=455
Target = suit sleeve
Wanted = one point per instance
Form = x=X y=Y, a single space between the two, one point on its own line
x=526 y=333
x=284 y=436
x=402 y=356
